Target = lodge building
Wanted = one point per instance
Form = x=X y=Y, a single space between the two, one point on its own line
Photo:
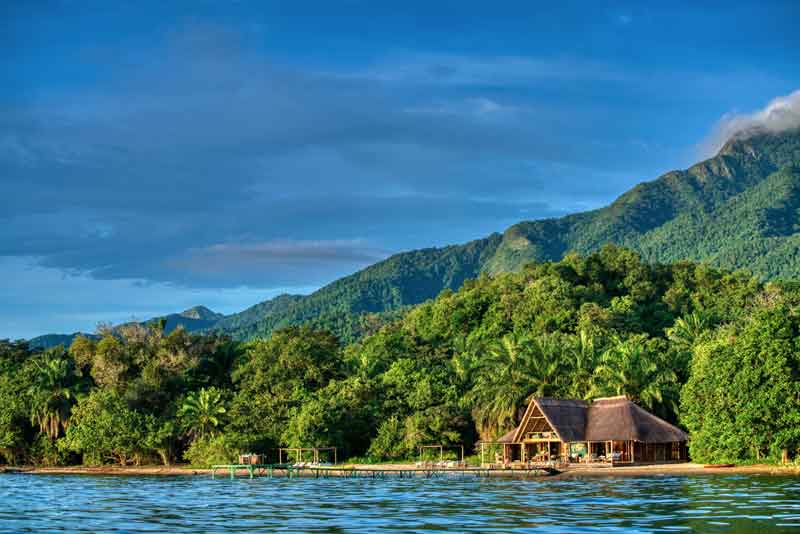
x=613 y=429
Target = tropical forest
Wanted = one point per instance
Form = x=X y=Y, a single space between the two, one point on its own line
x=712 y=350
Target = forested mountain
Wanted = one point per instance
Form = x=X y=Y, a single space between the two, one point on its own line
x=360 y=303
x=688 y=214
x=735 y=210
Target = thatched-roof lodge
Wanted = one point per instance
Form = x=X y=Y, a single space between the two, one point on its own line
x=612 y=429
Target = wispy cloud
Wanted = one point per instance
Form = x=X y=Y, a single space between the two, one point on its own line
x=505 y=71
x=277 y=263
x=779 y=115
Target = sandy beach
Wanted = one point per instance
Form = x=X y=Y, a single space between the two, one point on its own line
x=574 y=472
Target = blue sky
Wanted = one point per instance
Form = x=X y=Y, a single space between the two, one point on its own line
x=154 y=156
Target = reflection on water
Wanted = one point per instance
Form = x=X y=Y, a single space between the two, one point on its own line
x=31 y=503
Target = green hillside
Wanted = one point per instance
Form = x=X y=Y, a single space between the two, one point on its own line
x=735 y=210
x=245 y=323
x=683 y=214
x=360 y=303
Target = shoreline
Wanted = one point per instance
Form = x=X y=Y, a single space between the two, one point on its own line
x=681 y=469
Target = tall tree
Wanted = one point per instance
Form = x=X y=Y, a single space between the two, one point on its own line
x=514 y=370
x=629 y=368
x=582 y=359
x=203 y=412
x=742 y=400
x=52 y=392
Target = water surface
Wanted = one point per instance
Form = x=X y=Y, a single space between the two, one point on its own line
x=101 y=504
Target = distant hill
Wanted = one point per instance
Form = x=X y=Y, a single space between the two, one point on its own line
x=53 y=340
x=349 y=306
x=194 y=319
x=244 y=324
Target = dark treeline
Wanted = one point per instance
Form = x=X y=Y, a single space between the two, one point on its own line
x=716 y=352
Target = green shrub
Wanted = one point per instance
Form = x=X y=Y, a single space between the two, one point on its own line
x=47 y=453
x=209 y=450
x=390 y=443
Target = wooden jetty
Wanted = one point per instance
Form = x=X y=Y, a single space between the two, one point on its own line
x=293 y=471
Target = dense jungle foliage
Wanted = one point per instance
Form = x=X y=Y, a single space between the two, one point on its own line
x=714 y=351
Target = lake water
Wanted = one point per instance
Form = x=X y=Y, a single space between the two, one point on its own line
x=99 y=504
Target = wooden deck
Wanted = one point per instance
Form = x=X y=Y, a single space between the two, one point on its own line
x=291 y=471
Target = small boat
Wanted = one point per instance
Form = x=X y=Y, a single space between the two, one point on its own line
x=715 y=466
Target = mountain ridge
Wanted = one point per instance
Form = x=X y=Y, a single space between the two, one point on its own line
x=737 y=209
x=647 y=218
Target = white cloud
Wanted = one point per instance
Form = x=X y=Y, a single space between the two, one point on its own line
x=780 y=115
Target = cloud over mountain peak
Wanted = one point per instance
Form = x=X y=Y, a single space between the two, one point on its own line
x=780 y=115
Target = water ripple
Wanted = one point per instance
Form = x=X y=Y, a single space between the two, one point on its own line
x=101 y=504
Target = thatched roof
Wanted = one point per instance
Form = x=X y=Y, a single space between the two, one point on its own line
x=617 y=418
x=567 y=417
x=606 y=419
x=508 y=437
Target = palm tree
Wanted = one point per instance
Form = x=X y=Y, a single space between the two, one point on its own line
x=688 y=330
x=627 y=368
x=202 y=412
x=513 y=371
x=52 y=393
x=466 y=354
x=583 y=358
x=548 y=365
